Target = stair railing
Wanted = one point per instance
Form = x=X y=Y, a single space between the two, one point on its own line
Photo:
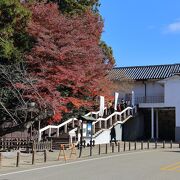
x=64 y=124
x=106 y=123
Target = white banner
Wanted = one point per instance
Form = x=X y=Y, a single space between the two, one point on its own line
x=116 y=100
x=101 y=111
x=133 y=99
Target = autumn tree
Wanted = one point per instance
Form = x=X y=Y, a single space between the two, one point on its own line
x=71 y=7
x=66 y=60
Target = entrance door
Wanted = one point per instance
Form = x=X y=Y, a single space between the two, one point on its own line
x=167 y=124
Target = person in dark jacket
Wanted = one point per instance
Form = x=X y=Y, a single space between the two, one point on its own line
x=118 y=108
x=113 y=134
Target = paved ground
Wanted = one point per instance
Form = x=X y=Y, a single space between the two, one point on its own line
x=161 y=164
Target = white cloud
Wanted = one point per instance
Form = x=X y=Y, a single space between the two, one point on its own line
x=173 y=27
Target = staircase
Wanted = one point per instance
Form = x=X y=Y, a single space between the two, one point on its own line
x=101 y=127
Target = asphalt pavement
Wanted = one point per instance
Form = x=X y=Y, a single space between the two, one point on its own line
x=134 y=165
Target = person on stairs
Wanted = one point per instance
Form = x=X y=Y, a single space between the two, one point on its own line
x=109 y=108
x=113 y=135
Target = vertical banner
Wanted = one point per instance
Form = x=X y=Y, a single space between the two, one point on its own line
x=84 y=130
x=133 y=99
x=101 y=111
x=116 y=100
x=89 y=128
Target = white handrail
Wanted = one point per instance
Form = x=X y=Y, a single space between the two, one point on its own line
x=58 y=126
x=118 y=122
x=107 y=118
x=63 y=124
x=97 y=112
x=115 y=113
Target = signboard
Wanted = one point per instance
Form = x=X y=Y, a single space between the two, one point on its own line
x=89 y=127
x=84 y=129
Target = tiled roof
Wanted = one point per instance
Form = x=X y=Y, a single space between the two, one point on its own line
x=144 y=72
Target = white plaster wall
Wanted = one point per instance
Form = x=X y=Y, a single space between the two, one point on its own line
x=172 y=96
x=139 y=89
x=153 y=88
x=102 y=138
x=118 y=129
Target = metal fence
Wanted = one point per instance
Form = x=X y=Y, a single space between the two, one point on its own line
x=149 y=99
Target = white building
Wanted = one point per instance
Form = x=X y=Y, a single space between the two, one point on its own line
x=157 y=94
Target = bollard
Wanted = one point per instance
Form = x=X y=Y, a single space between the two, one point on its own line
x=141 y=145
x=112 y=147
x=0 y=160
x=33 y=145
x=148 y=145
x=91 y=146
x=50 y=146
x=93 y=143
x=163 y=144
x=106 y=150
x=118 y=146
x=155 y=144
x=135 y=145
x=17 y=160
x=171 y=144
x=99 y=149
x=129 y=145
x=179 y=144
x=33 y=157
x=124 y=145
x=45 y=155
x=84 y=143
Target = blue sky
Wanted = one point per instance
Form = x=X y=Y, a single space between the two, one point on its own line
x=142 y=32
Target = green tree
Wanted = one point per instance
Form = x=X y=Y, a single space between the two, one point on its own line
x=108 y=53
x=13 y=37
x=77 y=6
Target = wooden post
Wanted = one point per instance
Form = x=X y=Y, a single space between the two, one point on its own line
x=124 y=145
x=0 y=160
x=106 y=151
x=51 y=145
x=118 y=146
x=112 y=147
x=141 y=145
x=99 y=149
x=163 y=144
x=33 y=146
x=171 y=144
x=33 y=157
x=17 y=159
x=135 y=145
x=45 y=155
x=148 y=145
x=129 y=146
x=155 y=144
